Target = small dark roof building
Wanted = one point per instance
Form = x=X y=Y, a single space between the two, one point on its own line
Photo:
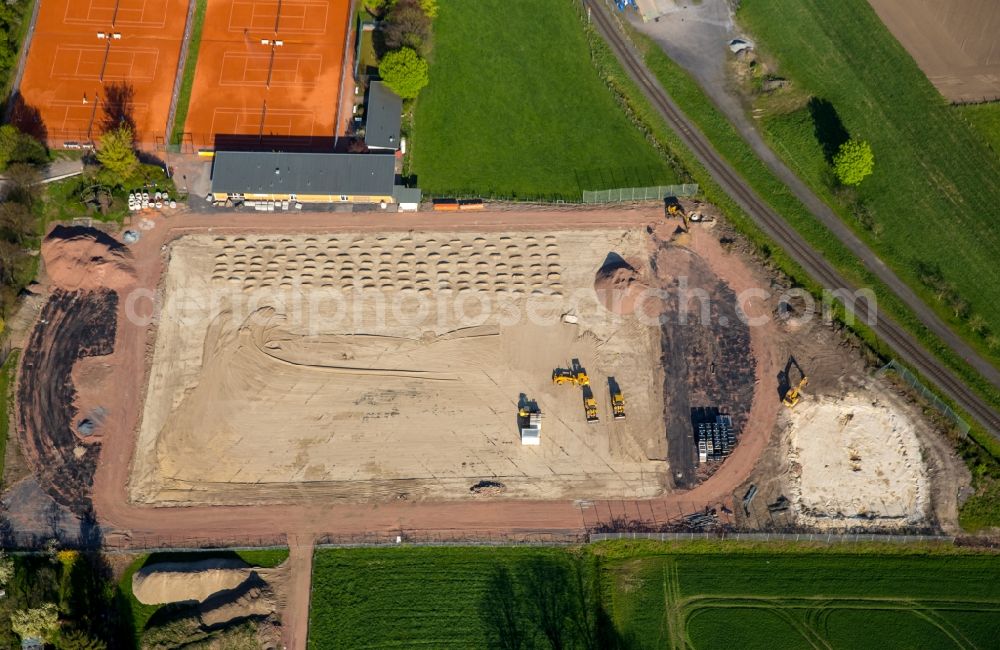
x=287 y=174
x=383 y=117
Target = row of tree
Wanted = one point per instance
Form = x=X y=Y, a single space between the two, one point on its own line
x=66 y=600
x=405 y=30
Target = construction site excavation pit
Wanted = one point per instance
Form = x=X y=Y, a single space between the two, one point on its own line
x=384 y=366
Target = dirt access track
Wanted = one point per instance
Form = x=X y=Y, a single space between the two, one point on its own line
x=122 y=387
x=77 y=80
x=268 y=69
x=953 y=41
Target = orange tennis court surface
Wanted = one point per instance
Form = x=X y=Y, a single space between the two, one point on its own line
x=72 y=74
x=268 y=69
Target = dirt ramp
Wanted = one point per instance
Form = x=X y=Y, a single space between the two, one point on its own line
x=175 y=582
x=78 y=258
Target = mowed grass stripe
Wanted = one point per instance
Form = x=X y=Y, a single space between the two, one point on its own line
x=516 y=108
x=935 y=191
x=190 y=65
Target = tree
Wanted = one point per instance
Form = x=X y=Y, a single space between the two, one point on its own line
x=16 y=146
x=404 y=72
x=17 y=222
x=9 y=137
x=23 y=183
x=853 y=162
x=6 y=569
x=406 y=25
x=40 y=622
x=12 y=258
x=78 y=640
x=117 y=154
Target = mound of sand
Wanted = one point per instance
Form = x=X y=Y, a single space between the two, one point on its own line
x=255 y=601
x=84 y=258
x=174 y=582
x=617 y=285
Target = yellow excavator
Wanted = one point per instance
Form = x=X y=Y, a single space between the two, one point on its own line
x=794 y=393
x=675 y=209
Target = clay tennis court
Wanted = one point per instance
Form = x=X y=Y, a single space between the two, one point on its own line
x=268 y=69
x=68 y=62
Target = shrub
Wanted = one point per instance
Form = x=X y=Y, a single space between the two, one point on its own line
x=40 y=622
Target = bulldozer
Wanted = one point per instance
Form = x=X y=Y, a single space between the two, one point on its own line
x=578 y=376
x=575 y=375
x=590 y=405
x=617 y=399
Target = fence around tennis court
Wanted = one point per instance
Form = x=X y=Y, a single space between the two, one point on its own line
x=652 y=193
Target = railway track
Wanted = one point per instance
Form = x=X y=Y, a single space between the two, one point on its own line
x=777 y=229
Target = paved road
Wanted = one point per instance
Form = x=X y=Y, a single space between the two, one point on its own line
x=814 y=264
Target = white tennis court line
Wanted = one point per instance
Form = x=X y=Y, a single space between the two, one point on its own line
x=96 y=58
x=245 y=120
x=130 y=75
x=105 y=10
x=78 y=117
x=258 y=63
x=267 y=17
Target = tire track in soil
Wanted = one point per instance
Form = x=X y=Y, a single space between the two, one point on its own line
x=72 y=325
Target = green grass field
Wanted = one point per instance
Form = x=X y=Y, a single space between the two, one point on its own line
x=654 y=596
x=780 y=600
x=985 y=119
x=515 y=108
x=6 y=389
x=451 y=598
x=190 y=64
x=933 y=199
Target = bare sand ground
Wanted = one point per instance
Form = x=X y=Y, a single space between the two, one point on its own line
x=141 y=525
x=855 y=460
x=955 y=42
x=381 y=366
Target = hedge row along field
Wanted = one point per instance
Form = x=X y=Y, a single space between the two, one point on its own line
x=653 y=596
x=515 y=108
